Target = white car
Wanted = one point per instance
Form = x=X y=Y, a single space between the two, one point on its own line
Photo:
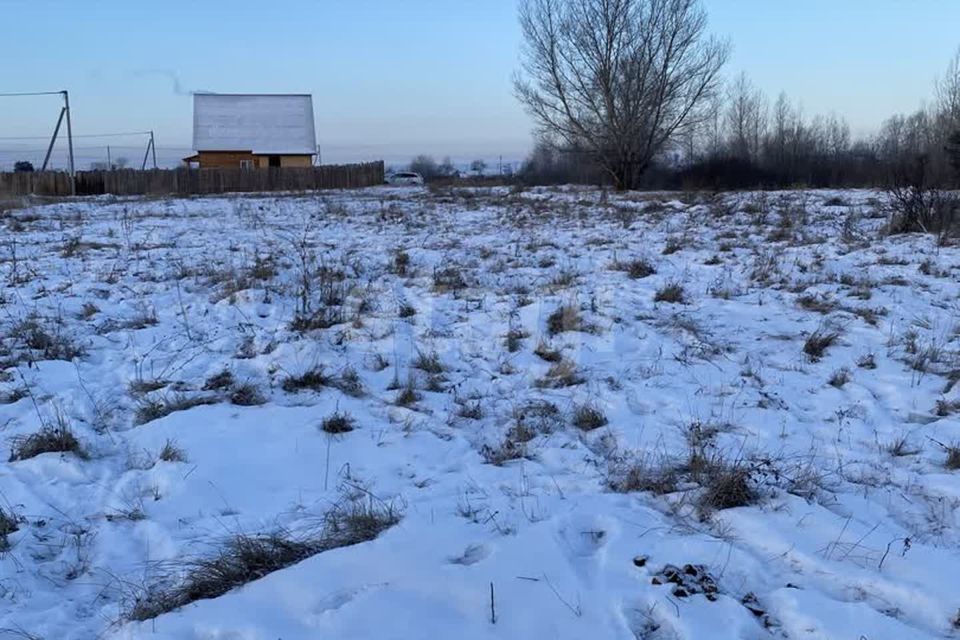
x=404 y=177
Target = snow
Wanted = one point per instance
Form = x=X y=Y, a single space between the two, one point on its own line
x=850 y=537
x=260 y=123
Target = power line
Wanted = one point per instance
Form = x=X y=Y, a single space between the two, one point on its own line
x=31 y=93
x=85 y=135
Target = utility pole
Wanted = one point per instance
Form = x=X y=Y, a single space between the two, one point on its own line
x=109 y=163
x=153 y=149
x=73 y=171
x=53 y=140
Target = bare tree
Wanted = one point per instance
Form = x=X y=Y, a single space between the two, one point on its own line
x=948 y=92
x=616 y=79
x=746 y=118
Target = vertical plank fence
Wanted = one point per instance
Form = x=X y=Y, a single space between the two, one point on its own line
x=129 y=182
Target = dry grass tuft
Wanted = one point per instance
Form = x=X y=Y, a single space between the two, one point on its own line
x=546 y=353
x=314 y=379
x=561 y=374
x=636 y=269
x=247 y=394
x=953 y=457
x=839 y=378
x=565 y=318
x=219 y=381
x=49 y=439
x=428 y=362
x=588 y=417
x=671 y=293
x=154 y=409
x=338 y=422
x=9 y=523
x=245 y=558
x=727 y=488
x=172 y=453
x=818 y=342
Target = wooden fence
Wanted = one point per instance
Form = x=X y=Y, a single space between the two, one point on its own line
x=128 y=182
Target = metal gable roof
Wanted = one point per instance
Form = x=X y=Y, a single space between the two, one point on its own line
x=261 y=123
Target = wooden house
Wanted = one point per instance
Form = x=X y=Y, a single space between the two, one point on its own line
x=252 y=131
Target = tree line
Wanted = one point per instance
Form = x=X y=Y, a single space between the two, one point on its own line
x=630 y=93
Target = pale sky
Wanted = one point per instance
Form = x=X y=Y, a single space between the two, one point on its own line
x=393 y=79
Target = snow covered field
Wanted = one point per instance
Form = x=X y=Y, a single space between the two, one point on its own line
x=567 y=414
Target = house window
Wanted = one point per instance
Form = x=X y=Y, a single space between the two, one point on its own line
x=246 y=164
x=274 y=161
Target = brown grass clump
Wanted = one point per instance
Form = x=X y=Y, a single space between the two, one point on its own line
x=818 y=342
x=564 y=318
x=338 y=422
x=588 y=417
x=172 y=453
x=49 y=439
x=671 y=293
x=314 y=379
x=635 y=269
x=244 y=558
